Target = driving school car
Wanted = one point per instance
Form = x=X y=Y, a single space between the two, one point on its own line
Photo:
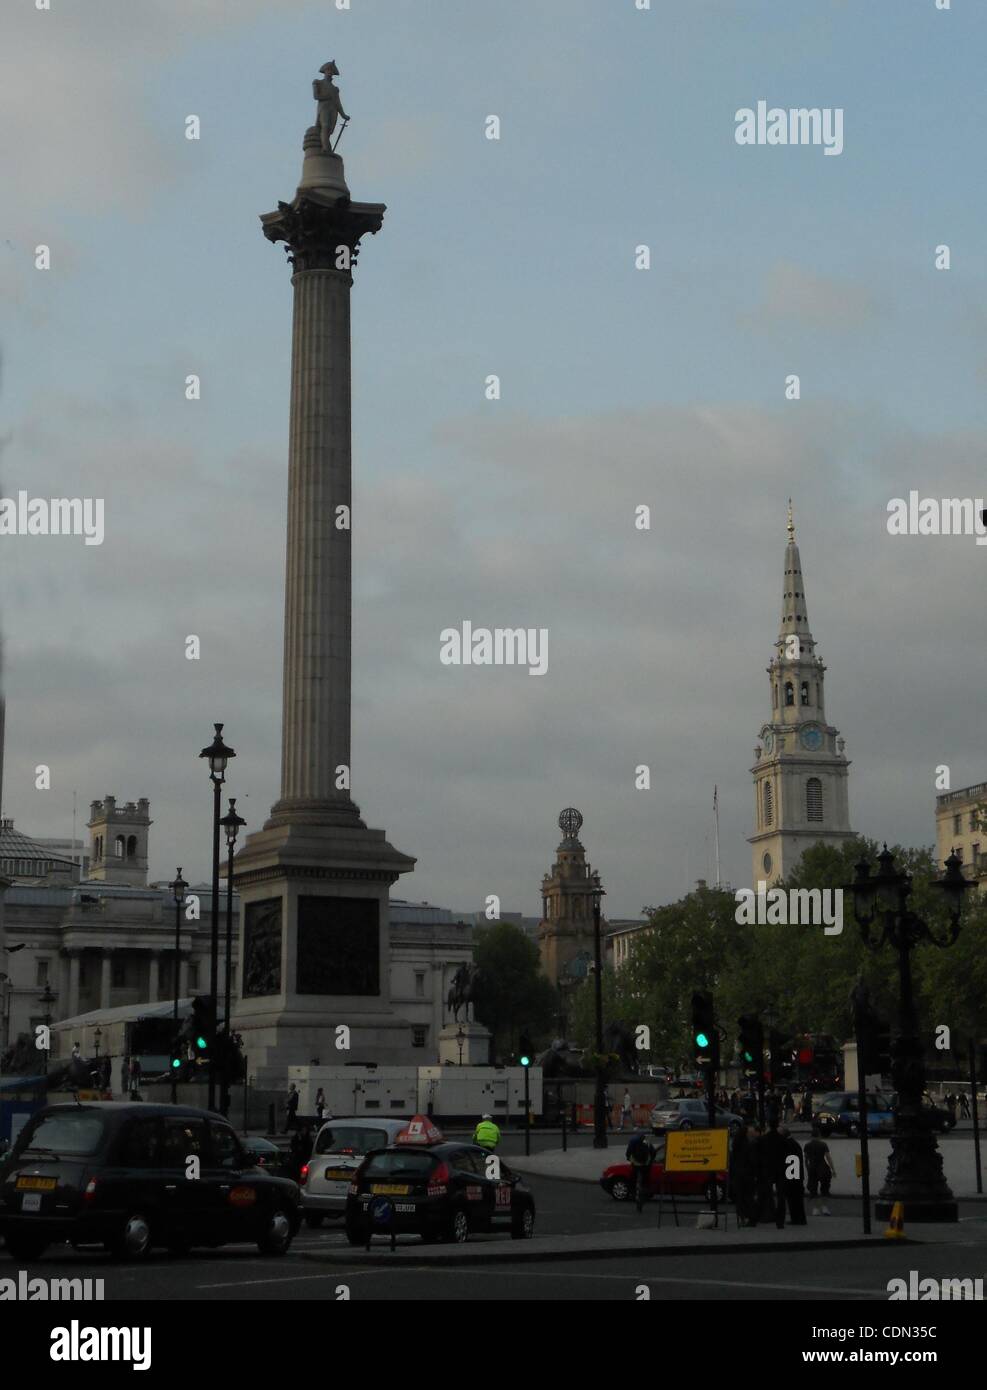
x=440 y=1191
x=340 y=1147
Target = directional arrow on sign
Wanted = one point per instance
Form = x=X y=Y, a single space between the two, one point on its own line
x=695 y=1160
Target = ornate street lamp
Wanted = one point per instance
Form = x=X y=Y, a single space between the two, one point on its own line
x=178 y=889
x=219 y=756
x=47 y=998
x=231 y=824
x=882 y=911
x=599 y=1095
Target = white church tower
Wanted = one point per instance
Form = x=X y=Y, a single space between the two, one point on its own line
x=800 y=772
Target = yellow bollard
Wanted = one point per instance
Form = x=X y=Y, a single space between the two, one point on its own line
x=896 y=1223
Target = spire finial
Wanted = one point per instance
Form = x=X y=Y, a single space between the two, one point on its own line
x=791 y=524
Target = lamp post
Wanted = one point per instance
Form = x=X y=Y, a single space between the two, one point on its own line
x=914 y=1175
x=218 y=755
x=599 y=1095
x=178 y=887
x=97 y=1039
x=460 y=1038
x=231 y=824
x=47 y=999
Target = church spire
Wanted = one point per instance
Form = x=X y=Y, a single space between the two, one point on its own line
x=794 y=618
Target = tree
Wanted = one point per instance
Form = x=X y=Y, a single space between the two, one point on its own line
x=511 y=992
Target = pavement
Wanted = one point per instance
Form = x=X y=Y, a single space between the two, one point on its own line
x=581 y=1164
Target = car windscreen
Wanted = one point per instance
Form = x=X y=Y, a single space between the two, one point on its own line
x=69 y=1133
x=405 y=1165
x=350 y=1139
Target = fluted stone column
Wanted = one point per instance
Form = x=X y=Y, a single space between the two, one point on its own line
x=313 y=883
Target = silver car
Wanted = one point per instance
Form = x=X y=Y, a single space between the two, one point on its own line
x=684 y=1113
x=340 y=1147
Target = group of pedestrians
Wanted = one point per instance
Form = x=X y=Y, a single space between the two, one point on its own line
x=770 y=1173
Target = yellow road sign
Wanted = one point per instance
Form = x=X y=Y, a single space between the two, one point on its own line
x=695 y=1150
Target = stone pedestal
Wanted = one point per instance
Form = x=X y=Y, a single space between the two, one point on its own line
x=475 y=1044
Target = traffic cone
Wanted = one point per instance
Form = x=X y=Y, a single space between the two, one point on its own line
x=896 y=1223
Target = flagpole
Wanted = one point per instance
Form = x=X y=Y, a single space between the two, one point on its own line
x=716 y=834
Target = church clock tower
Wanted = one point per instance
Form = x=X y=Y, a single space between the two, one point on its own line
x=800 y=772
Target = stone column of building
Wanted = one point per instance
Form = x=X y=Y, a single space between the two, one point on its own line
x=314 y=882
x=74 y=967
x=153 y=978
x=106 y=978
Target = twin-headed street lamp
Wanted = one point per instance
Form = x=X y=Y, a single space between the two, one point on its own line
x=231 y=824
x=218 y=755
x=882 y=911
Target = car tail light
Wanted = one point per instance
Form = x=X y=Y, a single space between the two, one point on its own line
x=303 y=1175
x=90 y=1193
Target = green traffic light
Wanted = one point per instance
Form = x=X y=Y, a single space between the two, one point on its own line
x=748 y=1057
x=525 y=1061
x=702 y=1040
x=200 y=1044
x=176 y=1062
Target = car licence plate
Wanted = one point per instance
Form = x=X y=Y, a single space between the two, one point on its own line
x=336 y=1174
x=36 y=1184
x=390 y=1189
x=31 y=1201
x=404 y=1206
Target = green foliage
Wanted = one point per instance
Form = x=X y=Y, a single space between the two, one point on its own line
x=512 y=993
x=797 y=974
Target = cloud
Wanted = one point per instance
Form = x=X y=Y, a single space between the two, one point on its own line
x=793 y=294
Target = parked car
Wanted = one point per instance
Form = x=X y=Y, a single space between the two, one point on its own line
x=839 y=1113
x=940 y=1119
x=116 y=1174
x=265 y=1154
x=618 y=1181
x=440 y=1192
x=340 y=1147
x=691 y=1114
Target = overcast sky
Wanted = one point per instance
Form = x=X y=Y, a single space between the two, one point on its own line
x=619 y=387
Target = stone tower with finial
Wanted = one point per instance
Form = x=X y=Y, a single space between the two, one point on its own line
x=800 y=770
x=566 y=929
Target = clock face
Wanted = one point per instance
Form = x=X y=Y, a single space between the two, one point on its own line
x=811 y=739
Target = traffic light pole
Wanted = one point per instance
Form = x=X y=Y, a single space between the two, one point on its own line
x=214 y=945
x=976 y=1114
x=527 y=1112
x=711 y=1071
x=861 y=1006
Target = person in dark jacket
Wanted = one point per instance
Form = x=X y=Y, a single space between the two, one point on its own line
x=640 y=1154
x=771 y=1176
x=302 y=1142
x=743 y=1176
x=794 y=1179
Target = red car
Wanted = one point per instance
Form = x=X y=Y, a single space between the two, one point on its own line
x=618 y=1180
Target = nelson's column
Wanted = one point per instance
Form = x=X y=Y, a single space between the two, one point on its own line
x=314 y=883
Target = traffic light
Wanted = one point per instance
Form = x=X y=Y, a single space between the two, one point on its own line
x=750 y=1044
x=780 y=1059
x=199 y=1030
x=873 y=1044
x=705 y=1037
x=525 y=1050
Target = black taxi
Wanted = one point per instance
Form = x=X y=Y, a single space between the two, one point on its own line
x=132 y=1176
x=444 y=1191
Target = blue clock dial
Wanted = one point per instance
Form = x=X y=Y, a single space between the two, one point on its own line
x=811 y=739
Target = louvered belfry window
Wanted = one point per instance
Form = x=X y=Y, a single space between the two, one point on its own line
x=813 y=799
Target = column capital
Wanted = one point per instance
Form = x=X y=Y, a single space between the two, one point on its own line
x=313 y=229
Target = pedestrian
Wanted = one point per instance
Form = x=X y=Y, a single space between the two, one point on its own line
x=794 y=1179
x=819 y=1169
x=626 y=1113
x=290 y=1108
x=640 y=1154
x=771 y=1154
x=486 y=1134
x=807 y=1106
x=320 y=1104
x=608 y=1107
x=300 y=1148
x=135 y=1078
x=964 y=1105
x=743 y=1176
x=951 y=1106
x=76 y=1054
